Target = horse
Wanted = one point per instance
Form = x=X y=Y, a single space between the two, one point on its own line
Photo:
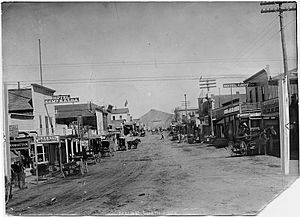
x=133 y=143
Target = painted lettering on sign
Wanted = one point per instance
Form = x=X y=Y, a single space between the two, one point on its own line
x=61 y=99
x=19 y=144
x=47 y=139
x=232 y=85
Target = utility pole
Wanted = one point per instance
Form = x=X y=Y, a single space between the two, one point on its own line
x=207 y=84
x=186 y=114
x=40 y=56
x=284 y=88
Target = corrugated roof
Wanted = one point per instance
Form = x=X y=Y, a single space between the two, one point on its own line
x=19 y=100
x=120 y=111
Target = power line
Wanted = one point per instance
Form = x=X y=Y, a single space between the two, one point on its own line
x=258 y=37
x=139 y=79
x=142 y=63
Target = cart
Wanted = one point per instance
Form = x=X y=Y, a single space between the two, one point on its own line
x=105 y=148
x=73 y=167
x=91 y=158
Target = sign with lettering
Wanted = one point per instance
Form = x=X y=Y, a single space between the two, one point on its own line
x=232 y=109
x=19 y=144
x=13 y=131
x=270 y=106
x=47 y=139
x=236 y=85
x=61 y=99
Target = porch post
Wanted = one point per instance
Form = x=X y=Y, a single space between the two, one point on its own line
x=76 y=146
x=67 y=151
x=72 y=147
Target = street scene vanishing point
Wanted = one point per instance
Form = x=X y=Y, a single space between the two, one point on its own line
x=148 y=108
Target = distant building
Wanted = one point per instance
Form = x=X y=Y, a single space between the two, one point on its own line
x=119 y=116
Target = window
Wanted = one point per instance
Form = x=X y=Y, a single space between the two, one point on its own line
x=250 y=96
x=262 y=93
x=120 y=117
x=256 y=95
x=47 y=125
x=41 y=125
x=114 y=118
x=42 y=153
x=51 y=125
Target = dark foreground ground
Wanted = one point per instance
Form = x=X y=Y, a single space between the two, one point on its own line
x=160 y=177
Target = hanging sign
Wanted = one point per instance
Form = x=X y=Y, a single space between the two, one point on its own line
x=61 y=99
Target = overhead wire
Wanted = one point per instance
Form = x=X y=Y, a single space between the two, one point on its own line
x=258 y=36
x=142 y=63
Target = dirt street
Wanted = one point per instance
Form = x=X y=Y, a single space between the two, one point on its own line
x=160 y=177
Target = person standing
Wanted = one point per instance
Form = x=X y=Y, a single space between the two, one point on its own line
x=84 y=161
x=162 y=136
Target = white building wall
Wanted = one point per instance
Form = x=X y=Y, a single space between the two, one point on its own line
x=100 y=127
x=40 y=110
x=23 y=125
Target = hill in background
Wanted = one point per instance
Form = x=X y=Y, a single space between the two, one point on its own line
x=156 y=119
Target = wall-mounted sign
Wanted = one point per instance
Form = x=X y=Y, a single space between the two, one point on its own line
x=19 y=144
x=47 y=139
x=13 y=131
x=61 y=99
x=236 y=85
x=270 y=106
x=232 y=109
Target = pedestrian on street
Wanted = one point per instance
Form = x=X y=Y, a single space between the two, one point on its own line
x=84 y=167
x=162 y=136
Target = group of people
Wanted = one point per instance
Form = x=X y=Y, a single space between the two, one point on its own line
x=18 y=172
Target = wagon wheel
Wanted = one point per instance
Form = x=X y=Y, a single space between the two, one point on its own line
x=243 y=148
x=251 y=151
x=230 y=147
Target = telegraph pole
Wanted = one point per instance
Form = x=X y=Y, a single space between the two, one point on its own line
x=40 y=56
x=284 y=88
x=207 y=84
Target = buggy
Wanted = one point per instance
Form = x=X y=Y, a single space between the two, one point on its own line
x=105 y=148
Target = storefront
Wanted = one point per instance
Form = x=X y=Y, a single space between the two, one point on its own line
x=48 y=154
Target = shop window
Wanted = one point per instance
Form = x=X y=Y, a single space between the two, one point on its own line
x=42 y=154
x=255 y=123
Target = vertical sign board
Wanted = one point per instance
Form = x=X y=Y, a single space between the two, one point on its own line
x=13 y=131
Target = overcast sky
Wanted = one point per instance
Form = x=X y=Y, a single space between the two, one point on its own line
x=95 y=50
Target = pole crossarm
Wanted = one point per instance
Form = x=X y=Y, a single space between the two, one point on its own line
x=271 y=10
x=276 y=2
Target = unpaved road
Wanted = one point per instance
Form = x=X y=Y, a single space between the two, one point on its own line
x=160 y=177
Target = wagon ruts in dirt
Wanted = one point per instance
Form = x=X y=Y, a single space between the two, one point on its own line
x=133 y=144
x=251 y=144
